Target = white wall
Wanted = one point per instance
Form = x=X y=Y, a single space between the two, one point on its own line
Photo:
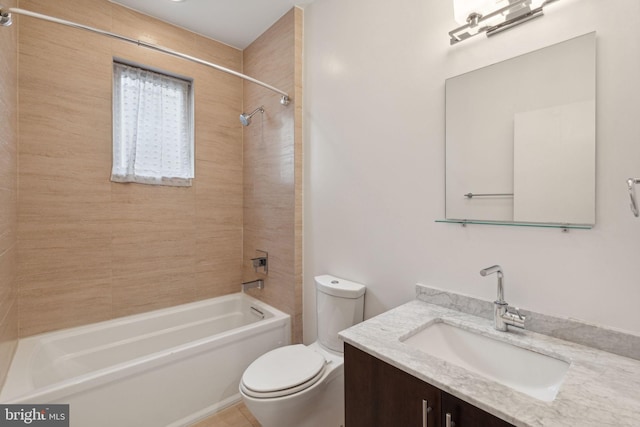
x=374 y=162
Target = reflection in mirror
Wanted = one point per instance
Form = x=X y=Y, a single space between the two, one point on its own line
x=520 y=138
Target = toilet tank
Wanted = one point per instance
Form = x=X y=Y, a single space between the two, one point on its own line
x=339 y=305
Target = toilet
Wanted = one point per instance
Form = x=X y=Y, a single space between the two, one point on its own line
x=303 y=386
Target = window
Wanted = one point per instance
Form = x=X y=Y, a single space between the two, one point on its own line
x=152 y=127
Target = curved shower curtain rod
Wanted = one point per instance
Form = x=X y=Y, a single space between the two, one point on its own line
x=5 y=21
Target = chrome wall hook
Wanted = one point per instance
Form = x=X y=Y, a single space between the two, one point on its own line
x=631 y=183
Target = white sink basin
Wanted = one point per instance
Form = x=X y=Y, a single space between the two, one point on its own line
x=535 y=374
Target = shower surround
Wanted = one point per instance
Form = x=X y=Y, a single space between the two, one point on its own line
x=91 y=250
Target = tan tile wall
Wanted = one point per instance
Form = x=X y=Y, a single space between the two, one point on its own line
x=273 y=166
x=89 y=249
x=8 y=191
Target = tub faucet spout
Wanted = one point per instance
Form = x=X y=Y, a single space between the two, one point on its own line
x=502 y=315
x=253 y=284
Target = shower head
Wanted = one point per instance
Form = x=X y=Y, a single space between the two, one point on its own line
x=245 y=118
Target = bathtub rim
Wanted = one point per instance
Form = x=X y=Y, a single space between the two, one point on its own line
x=122 y=320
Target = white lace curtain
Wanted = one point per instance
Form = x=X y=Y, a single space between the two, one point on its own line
x=152 y=128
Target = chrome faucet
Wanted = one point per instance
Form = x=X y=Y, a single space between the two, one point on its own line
x=502 y=315
x=261 y=262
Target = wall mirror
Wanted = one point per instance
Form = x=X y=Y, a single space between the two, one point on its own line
x=521 y=138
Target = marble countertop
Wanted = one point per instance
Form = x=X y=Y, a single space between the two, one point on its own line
x=599 y=388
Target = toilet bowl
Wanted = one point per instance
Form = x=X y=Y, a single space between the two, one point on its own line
x=303 y=386
x=317 y=399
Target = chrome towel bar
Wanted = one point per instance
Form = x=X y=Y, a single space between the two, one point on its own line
x=472 y=195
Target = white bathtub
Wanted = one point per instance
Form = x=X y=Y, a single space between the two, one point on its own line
x=169 y=367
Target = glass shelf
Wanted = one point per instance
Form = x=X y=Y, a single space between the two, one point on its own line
x=563 y=227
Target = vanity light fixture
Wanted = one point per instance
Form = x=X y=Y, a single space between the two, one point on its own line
x=492 y=16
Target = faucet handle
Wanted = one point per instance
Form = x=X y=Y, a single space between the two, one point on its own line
x=516 y=311
x=513 y=317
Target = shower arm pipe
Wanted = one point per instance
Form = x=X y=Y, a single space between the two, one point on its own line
x=5 y=20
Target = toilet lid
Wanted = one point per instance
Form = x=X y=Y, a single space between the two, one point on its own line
x=283 y=371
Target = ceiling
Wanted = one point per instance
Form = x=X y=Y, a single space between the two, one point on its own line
x=233 y=22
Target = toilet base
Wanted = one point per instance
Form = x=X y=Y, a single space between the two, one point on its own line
x=325 y=408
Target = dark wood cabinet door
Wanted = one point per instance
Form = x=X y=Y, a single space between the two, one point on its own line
x=380 y=395
x=464 y=414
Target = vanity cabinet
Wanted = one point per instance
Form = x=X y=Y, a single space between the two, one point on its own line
x=380 y=395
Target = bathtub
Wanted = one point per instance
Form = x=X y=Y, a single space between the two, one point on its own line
x=170 y=367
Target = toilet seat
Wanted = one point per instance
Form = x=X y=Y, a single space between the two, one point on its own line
x=283 y=371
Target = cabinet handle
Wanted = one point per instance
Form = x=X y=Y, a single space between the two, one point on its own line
x=425 y=411
x=448 y=422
